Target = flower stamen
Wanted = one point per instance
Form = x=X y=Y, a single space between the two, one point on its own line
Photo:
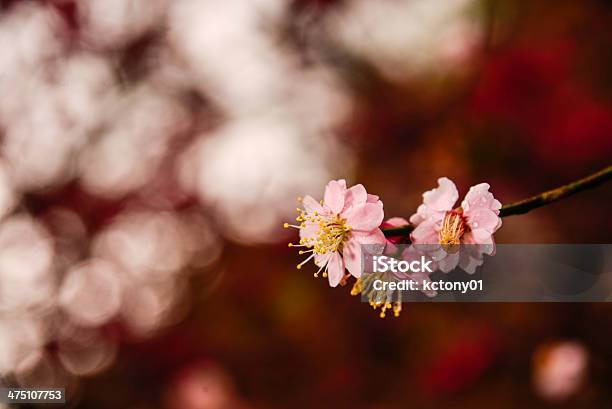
x=453 y=227
x=385 y=299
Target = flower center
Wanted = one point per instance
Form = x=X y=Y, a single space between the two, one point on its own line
x=332 y=234
x=453 y=227
x=325 y=233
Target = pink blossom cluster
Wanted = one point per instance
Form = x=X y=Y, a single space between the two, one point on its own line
x=335 y=231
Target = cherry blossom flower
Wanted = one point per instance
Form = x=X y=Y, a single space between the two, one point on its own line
x=334 y=230
x=560 y=369
x=388 y=299
x=460 y=236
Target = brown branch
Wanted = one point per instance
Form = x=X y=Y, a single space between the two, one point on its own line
x=553 y=195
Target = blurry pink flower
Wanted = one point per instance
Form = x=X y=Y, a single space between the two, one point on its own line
x=334 y=229
x=446 y=231
x=388 y=299
x=559 y=369
x=202 y=385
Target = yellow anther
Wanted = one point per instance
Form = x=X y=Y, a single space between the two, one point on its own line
x=453 y=227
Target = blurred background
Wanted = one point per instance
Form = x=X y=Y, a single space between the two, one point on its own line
x=152 y=149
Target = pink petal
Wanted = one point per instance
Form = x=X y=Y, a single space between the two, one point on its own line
x=309 y=230
x=321 y=260
x=420 y=215
x=443 y=197
x=335 y=269
x=425 y=233
x=489 y=248
x=469 y=263
x=479 y=197
x=365 y=217
x=476 y=247
x=412 y=253
x=374 y=241
x=311 y=205
x=481 y=236
x=449 y=263
x=499 y=224
x=334 y=196
x=390 y=248
x=372 y=198
x=356 y=195
x=483 y=218
x=435 y=251
x=352 y=258
x=375 y=236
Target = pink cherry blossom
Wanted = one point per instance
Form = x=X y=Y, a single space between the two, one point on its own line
x=560 y=369
x=335 y=229
x=389 y=299
x=457 y=237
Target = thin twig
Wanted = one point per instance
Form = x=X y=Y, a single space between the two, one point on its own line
x=559 y=193
x=533 y=202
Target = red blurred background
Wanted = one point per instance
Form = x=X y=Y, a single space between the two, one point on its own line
x=152 y=149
